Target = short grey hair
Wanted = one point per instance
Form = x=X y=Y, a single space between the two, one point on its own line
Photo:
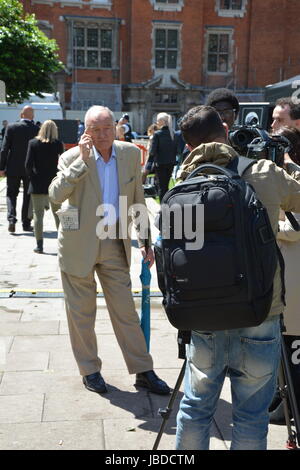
x=95 y=111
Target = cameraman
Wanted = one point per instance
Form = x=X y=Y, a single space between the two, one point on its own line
x=249 y=356
x=286 y=113
x=226 y=103
x=289 y=244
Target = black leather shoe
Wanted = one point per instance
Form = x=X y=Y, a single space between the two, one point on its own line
x=153 y=383
x=11 y=227
x=39 y=247
x=94 y=383
x=27 y=228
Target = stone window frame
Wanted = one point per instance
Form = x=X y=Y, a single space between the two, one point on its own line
x=240 y=13
x=100 y=23
x=104 y=4
x=175 y=25
x=97 y=49
x=165 y=6
x=219 y=30
x=166 y=97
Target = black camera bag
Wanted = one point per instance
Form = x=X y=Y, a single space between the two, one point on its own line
x=228 y=283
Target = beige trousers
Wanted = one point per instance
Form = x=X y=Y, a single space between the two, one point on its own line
x=80 y=299
x=39 y=204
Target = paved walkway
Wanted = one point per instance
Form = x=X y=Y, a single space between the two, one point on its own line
x=43 y=404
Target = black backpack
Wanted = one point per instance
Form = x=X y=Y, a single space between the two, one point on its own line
x=228 y=283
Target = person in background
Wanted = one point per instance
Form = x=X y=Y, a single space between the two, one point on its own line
x=80 y=129
x=150 y=133
x=120 y=131
x=4 y=124
x=124 y=122
x=286 y=113
x=226 y=103
x=41 y=167
x=12 y=164
x=181 y=151
x=289 y=244
x=162 y=153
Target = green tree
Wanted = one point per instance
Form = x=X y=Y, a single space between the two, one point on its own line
x=27 y=56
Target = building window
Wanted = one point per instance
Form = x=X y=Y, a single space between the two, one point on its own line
x=231 y=7
x=166 y=48
x=92 y=47
x=219 y=46
x=170 y=98
x=231 y=4
x=168 y=5
x=218 y=53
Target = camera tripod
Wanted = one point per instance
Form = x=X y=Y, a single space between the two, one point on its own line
x=286 y=388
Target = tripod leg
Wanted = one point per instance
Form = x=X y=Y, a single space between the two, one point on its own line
x=291 y=442
x=165 y=412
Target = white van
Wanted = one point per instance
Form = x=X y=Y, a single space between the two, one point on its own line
x=44 y=108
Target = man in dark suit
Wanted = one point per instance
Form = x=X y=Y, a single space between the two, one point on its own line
x=12 y=165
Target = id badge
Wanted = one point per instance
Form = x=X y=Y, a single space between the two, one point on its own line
x=69 y=218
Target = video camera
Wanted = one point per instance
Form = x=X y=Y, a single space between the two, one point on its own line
x=257 y=143
x=254 y=142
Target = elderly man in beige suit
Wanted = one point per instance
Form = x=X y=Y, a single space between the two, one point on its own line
x=97 y=175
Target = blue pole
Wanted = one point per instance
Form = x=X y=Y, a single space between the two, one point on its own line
x=145 y=278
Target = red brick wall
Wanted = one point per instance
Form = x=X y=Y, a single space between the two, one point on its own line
x=267 y=40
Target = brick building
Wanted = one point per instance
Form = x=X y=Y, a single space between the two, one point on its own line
x=147 y=56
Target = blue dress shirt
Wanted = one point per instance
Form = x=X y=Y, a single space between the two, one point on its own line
x=109 y=185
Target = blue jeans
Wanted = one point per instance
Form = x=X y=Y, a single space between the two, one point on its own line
x=250 y=357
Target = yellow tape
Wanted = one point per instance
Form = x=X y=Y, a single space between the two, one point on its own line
x=32 y=291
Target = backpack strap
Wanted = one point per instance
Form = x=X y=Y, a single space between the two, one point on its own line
x=282 y=273
x=240 y=164
x=216 y=168
x=237 y=166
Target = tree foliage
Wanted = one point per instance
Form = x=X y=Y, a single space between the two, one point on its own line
x=27 y=56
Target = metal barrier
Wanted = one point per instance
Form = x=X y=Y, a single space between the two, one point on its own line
x=142 y=145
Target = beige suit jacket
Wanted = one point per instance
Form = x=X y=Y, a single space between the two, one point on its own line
x=78 y=183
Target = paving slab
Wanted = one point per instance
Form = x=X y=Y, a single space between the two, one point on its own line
x=61 y=362
x=23 y=408
x=35 y=328
x=68 y=435
x=41 y=343
x=41 y=380
x=22 y=361
x=88 y=406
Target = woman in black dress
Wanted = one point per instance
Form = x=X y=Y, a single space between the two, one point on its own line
x=41 y=167
x=162 y=153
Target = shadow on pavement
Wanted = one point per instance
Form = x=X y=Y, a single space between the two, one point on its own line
x=144 y=406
